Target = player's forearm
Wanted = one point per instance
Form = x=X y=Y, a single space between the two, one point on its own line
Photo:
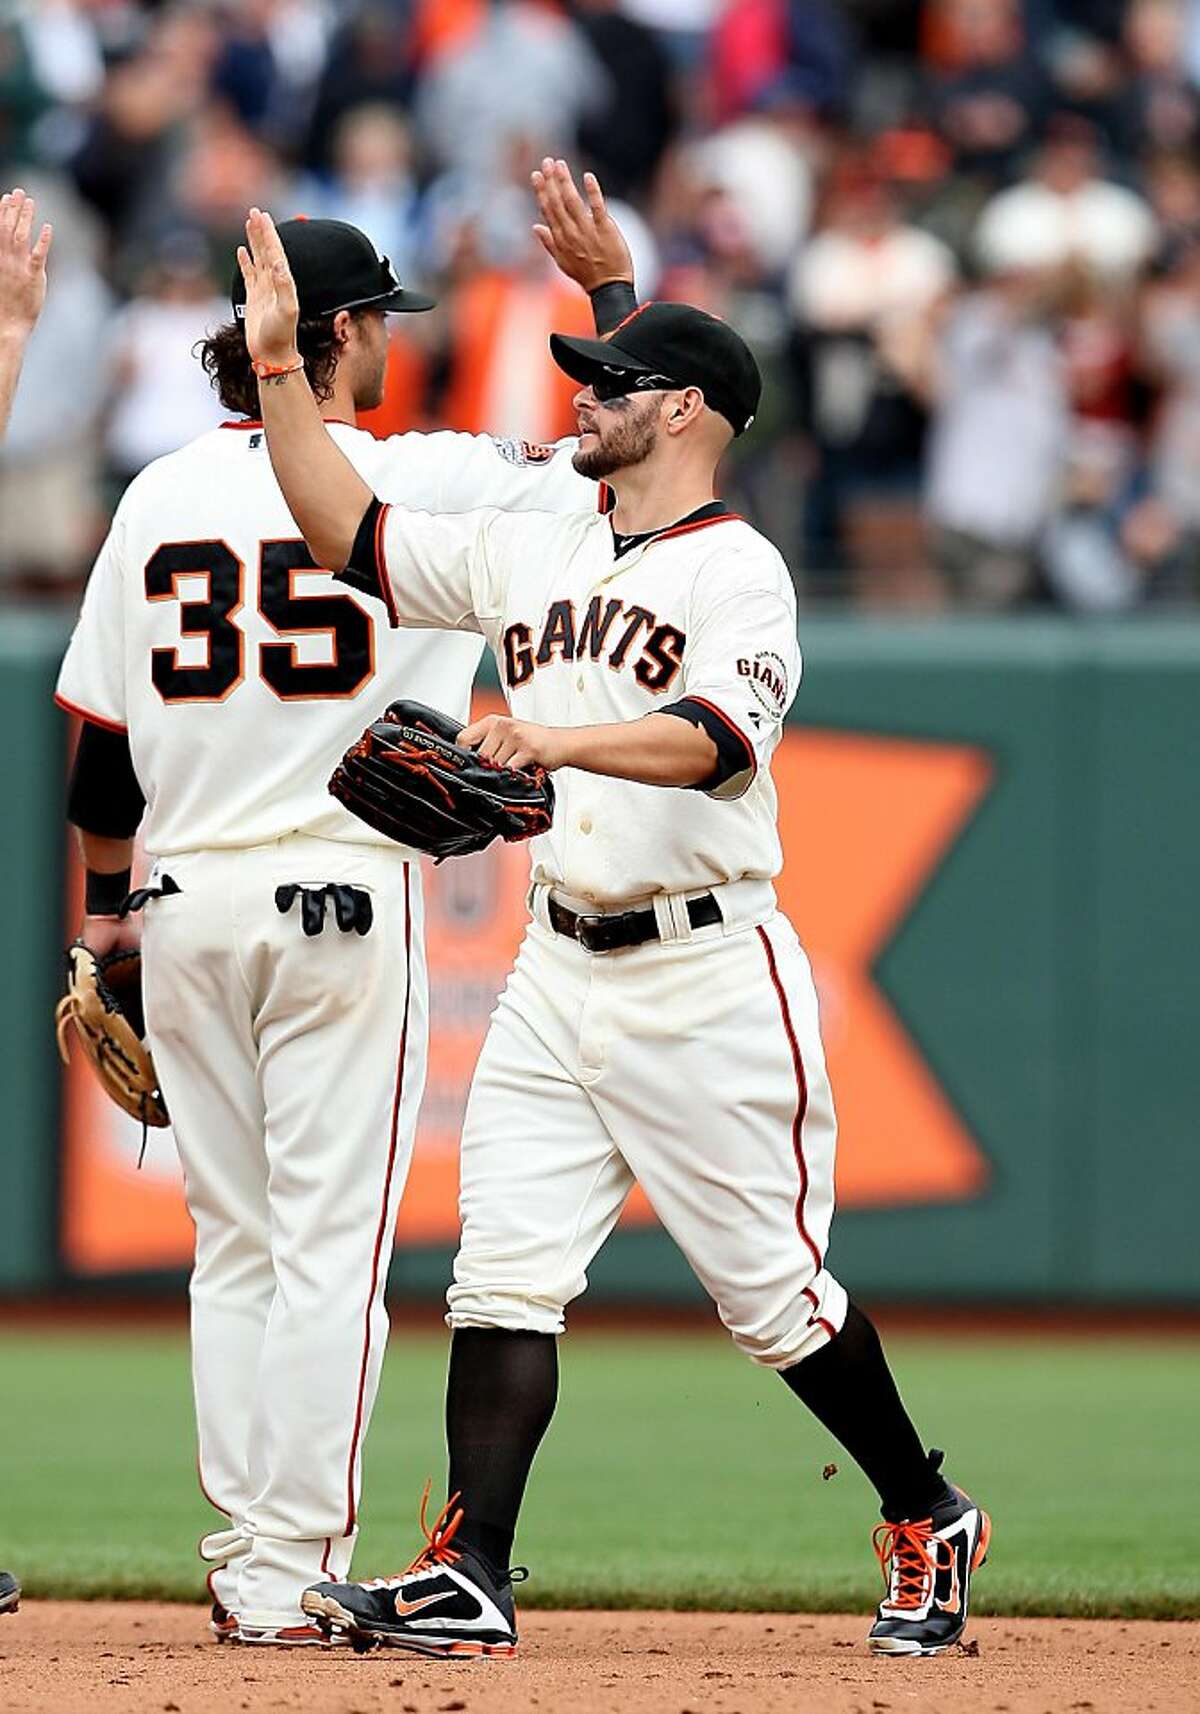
x=324 y=493
x=102 y=855
x=657 y=750
x=108 y=867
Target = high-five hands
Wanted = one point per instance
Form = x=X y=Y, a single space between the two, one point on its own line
x=272 y=306
x=22 y=265
x=581 y=238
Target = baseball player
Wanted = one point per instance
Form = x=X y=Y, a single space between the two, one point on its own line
x=661 y=1021
x=219 y=674
x=22 y=294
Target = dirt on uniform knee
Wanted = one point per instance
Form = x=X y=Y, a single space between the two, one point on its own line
x=132 y=1658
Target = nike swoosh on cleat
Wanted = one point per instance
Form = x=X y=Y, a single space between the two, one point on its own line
x=405 y=1608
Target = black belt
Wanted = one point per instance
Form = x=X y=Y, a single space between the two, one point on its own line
x=625 y=928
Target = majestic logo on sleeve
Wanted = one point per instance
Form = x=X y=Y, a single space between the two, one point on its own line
x=609 y=631
x=768 y=680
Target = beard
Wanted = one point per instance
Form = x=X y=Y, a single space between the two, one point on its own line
x=369 y=387
x=629 y=440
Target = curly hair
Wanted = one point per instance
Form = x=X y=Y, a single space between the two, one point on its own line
x=227 y=362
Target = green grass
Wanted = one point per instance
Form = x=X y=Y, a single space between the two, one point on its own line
x=675 y=1473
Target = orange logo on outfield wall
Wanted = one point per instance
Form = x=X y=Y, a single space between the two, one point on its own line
x=866 y=821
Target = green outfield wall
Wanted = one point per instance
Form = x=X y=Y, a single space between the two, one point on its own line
x=1045 y=974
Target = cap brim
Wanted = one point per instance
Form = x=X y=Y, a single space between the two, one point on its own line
x=399 y=302
x=584 y=359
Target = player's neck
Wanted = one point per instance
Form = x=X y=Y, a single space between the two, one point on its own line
x=649 y=498
x=340 y=405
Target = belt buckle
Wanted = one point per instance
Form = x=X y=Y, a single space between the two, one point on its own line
x=583 y=929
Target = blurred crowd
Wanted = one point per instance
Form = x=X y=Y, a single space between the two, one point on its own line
x=963 y=237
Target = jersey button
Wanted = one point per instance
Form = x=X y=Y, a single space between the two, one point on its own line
x=585 y=824
x=579 y=682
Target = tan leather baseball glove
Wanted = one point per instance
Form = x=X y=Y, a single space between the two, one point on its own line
x=104 y=1002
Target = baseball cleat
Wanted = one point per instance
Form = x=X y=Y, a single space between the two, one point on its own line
x=222 y=1623
x=927 y=1565
x=10 y=1592
x=449 y=1602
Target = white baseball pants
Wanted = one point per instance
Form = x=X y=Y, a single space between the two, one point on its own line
x=293 y=1069
x=695 y=1067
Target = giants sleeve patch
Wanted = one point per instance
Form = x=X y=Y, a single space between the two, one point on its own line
x=767 y=677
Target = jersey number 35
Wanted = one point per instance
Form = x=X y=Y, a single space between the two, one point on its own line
x=281 y=564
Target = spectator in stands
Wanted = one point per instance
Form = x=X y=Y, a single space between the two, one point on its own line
x=1158 y=107
x=864 y=275
x=501 y=314
x=526 y=72
x=1066 y=211
x=213 y=171
x=1172 y=184
x=1083 y=559
x=371 y=61
x=766 y=53
x=987 y=92
x=271 y=55
x=149 y=99
x=371 y=184
x=996 y=384
x=623 y=140
x=1170 y=334
x=1081 y=43
x=159 y=397
x=748 y=189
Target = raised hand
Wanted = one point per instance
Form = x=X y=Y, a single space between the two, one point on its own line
x=582 y=238
x=22 y=266
x=272 y=306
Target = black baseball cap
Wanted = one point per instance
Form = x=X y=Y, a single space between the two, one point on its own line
x=683 y=345
x=335 y=266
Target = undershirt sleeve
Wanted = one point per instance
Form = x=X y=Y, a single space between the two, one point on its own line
x=735 y=755
x=364 y=570
x=103 y=795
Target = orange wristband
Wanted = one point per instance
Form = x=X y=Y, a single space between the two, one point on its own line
x=265 y=371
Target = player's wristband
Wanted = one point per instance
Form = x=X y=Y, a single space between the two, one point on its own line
x=612 y=303
x=273 y=371
x=103 y=895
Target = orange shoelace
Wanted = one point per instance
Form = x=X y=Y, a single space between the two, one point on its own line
x=437 y=1549
x=909 y=1556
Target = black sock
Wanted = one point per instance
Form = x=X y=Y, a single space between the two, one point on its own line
x=849 y=1388
x=500 y=1396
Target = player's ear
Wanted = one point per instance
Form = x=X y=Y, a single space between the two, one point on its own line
x=684 y=408
x=343 y=321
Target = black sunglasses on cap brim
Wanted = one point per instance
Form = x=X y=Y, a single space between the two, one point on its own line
x=612 y=384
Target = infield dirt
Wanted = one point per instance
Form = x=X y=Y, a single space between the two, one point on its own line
x=132 y=1658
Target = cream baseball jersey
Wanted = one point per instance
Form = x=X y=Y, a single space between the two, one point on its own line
x=699 y=620
x=240 y=670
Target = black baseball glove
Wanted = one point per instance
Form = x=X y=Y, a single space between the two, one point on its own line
x=408 y=777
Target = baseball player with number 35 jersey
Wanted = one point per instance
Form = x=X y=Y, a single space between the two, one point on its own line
x=661 y=1021
x=220 y=673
